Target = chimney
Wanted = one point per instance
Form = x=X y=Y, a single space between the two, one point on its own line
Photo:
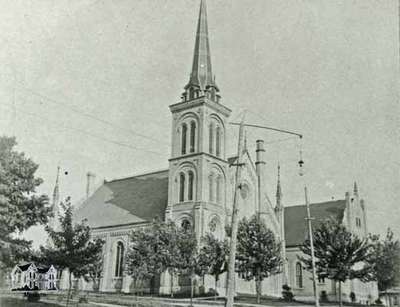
x=260 y=169
x=90 y=177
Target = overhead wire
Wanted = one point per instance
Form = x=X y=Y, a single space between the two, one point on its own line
x=88 y=115
x=93 y=135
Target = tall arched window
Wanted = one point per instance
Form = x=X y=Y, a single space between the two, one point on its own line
x=219 y=189
x=191 y=185
x=192 y=136
x=299 y=275
x=183 y=142
x=119 y=260
x=218 y=142
x=181 y=187
x=211 y=138
x=186 y=225
x=211 y=188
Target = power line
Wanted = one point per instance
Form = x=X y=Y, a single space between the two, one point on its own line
x=89 y=133
x=88 y=115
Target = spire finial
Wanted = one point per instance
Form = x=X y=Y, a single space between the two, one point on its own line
x=201 y=75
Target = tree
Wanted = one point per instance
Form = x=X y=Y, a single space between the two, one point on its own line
x=258 y=253
x=72 y=247
x=186 y=263
x=213 y=257
x=95 y=270
x=142 y=260
x=386 y=259
x=20 y=206
x=340 y=255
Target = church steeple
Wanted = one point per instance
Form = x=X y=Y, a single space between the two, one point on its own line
x=202 y=80
x=53 y=222
x=355 y=188
x=279 y=190
x=56 y=191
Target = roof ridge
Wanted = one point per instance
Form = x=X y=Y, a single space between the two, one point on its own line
x=318 y=203
x=139 y=175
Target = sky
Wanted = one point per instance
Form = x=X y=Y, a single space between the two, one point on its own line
x=87 y=84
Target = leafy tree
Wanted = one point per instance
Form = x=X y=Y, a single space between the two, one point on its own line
x=258 y=253
x=171 y=261
x=142 y=260
x=340 y=255
x=213 y=257
x=95 y=270
x=72 y=247
x=20 y=206
x=387 y=261
x=186 y=263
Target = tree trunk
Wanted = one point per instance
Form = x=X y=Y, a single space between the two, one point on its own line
x=340 y=294
x=215 y=288
x=69 y=287
x=172 y=284
x=258 y=290
x=191 y=289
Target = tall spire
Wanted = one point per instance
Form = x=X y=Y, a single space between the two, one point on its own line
x=355 y=189
x=56 y=191
x=278 y=186
x=201 y=75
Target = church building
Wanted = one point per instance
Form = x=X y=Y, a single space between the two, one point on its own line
x=197 y=190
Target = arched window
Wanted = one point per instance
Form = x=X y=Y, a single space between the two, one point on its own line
x=119 y=260
x=299 y=275
x=218 y=142
x=182 y=187
x=183 y=142
x=219 y=189
x=191 y=186
x=211 y=188
x=211 y=138
x=186 y=225
x=192 y=136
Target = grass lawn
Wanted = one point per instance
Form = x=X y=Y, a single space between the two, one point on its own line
x=22 y=302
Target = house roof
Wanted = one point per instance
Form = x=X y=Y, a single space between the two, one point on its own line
x=43 y=268
x=25 y=266
x=295 y=223
x=125 y=201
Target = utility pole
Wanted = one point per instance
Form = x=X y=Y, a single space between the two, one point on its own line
x=310 y=233
x=230 y=295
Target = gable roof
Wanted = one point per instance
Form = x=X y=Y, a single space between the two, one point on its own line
x=126 y=201
x=296 y=224
x=24 y=267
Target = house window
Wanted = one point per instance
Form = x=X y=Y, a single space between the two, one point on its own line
x=218 y=142
x=119 y=260
x=183 y=142
x=299 y=275
x=192 y=136
x=182 y=187
x=321 y=279
x=211 y=139
x=191 y=186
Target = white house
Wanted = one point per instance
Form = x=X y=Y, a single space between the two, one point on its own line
x=28 y=276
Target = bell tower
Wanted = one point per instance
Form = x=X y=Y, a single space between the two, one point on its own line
x=198 y=166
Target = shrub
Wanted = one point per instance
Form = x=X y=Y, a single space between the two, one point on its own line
x=287 y=294
x=378 y=301
x=352 y=297
x=33 y=297
x=323 y=296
